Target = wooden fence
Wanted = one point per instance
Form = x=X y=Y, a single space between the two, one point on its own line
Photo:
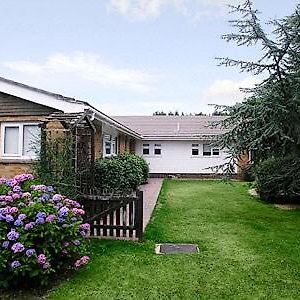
x=113 y=216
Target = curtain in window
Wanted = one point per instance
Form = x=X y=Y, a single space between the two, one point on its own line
x=11 y=140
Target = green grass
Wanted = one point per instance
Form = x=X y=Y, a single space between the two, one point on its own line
x=248 y=250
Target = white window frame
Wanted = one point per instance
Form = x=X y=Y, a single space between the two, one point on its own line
x=20 y=125
x=157 y=146
x=113 y=141
x=196 y=146
x=211 y=151
x=146 y=146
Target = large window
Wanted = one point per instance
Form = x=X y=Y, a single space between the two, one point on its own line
x=209 y=151
x=20 y=140
x=110 y=145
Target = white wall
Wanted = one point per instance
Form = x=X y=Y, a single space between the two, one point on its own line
x=177 y=157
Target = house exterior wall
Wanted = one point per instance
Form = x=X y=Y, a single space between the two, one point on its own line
x=176 y=158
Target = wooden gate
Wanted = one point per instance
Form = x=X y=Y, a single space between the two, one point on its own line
x=112 y=216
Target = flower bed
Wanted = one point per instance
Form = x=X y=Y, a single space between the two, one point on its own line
x=41 y=232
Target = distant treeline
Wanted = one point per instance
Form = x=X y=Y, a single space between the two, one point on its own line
x=176 y=113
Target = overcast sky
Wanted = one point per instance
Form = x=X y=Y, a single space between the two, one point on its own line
x=127 y=57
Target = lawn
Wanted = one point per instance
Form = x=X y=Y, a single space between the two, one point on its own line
x=248 y=250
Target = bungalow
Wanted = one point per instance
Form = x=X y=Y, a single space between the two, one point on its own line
x=170 y=144
x=177 y=145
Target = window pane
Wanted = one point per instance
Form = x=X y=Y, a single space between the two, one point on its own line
x=195 y=152
x=157 y=151
x=195 y=145
x=107 y=148
x=146 y=151
x=216 y=152
x=11 y=140
x=206 y=150
x=31 y=140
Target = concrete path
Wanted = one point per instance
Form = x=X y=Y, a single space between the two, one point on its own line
x=151 y=191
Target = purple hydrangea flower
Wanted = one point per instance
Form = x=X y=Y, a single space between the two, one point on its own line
x=2 y=217
x=50 y=189
x=18 y=223
x=29 y=225
x=17 y=247
x=39 y=221
x=9 y=219
x=76 y=242
x=30 y=252
x=5 y=244
x=21 y=204
x=63 y=212
x=57 y=197
x=13 y=235
x=46 y=265
x=15 y=264
x=17 y=189
x=41 y=215
x=26 y=195
x=73 y=219
x=22 y=217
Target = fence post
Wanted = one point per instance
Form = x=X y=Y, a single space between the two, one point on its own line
x=139 y=214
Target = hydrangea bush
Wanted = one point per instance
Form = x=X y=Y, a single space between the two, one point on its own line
x=41 y=232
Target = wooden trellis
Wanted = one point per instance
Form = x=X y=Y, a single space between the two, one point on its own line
x=79 y=129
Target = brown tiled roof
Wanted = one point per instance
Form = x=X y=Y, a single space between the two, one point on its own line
x=181 y=127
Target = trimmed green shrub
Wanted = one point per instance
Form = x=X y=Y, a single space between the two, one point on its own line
x=41 y=233
x=278 y=179
x=124 y=172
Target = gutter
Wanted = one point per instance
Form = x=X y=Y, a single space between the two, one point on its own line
x=96 y=114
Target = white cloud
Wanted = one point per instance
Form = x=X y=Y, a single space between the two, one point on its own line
x=150 y=9
x=226 y=92
x=142 y=9
x=87 y=67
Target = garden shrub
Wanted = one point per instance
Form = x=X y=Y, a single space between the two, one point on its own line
x=41 y=232
x=278 y=179
x=124 y=172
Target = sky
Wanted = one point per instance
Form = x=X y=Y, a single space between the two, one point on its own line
x=128 y=57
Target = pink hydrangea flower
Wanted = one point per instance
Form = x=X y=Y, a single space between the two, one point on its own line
x=84 y=260
x=13 y=210
x=85 y=226
x=41 y=259
x=50 y=218
x=78 y=211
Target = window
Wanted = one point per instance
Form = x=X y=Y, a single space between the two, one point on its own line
x=209 y=151
x=195 y=149
x=110 y=145
x=20 y=140
x=215 y=152
x=157 y=149
x=146 y=149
